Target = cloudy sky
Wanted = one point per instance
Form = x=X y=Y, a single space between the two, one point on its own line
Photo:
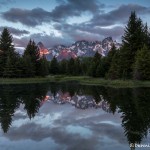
x=66 y=21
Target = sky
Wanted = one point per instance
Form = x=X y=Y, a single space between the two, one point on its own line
x=54 y=22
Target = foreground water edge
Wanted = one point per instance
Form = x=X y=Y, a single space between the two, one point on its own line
x=84 y=80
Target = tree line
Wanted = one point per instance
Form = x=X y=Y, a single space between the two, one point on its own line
x=131 y=61
x=12 y=65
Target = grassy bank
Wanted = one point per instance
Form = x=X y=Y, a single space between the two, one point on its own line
x=84 y=80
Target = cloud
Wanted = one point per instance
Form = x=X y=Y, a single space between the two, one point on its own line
x=69 y=124
x=71 y=34
x=75 y=8
x=89 y=32
x=27 y=17
x=38 y=16
x=48 y=40
x=119 y=15
x=15 y=31
x=99 y=27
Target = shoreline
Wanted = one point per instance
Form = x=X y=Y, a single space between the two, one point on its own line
x=83 y=80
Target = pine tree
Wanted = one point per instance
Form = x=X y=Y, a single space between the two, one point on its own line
x=32 y=53
x=133 y=36
x=28 y=67
x=1 y=63
x=9 y=70
x=132 y=41
x=6 y=44
x=97 y=57
x=70 y=67
x=77 y=67
x=20 y=67
x=7 y=54
x=54 y=66
x=93 y=71
x=146 y=36
x=85 y=63
x=142 y=64
x=63 y=66
x=114 y=70
x=43 y=67
x=109 y=57
x=101 y=69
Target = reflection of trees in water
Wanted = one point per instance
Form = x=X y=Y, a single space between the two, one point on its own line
x=32 y=97
x=133 y=104
x=12 y=96
x=8 y=103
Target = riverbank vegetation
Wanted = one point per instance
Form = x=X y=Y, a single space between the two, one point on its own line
x=84 y=80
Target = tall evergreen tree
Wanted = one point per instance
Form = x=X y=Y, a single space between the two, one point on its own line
x=6 y=44
x=77 y=67
x=32 y=52
x=70 y=67
x=8 y=56
x=63 y=66
x=85 y=63
x=132 y=41
x=142 y=64
x=54 y=66
x=114 y=70
x=106 y=62
x=9 y=70
x=1 y=63
x=20 y=66
x=43 y=67
x=129 y=46
x=133 y=36
x=28 y=67
x=146 y=36
x=93 y=71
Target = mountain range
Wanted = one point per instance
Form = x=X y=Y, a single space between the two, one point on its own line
x=81 y=48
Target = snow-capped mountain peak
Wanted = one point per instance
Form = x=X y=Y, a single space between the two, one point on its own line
x=81 y=48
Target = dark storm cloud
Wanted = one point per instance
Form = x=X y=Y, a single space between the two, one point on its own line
x=37 y=16
x=119 y=15
x=115 y=31
x=89 y=32
x=15 y=31
x=27 y=17
x=60 y=13
x=87 y=5
x=72 y=33
x=75 y=8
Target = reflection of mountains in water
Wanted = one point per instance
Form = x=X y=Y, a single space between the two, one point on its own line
x=79 y=101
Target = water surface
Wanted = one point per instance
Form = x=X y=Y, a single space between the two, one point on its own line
x=73 y=117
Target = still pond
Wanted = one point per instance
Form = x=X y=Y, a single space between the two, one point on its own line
x=69 y=116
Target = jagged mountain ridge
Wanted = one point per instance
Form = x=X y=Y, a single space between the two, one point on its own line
x=81 y=48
